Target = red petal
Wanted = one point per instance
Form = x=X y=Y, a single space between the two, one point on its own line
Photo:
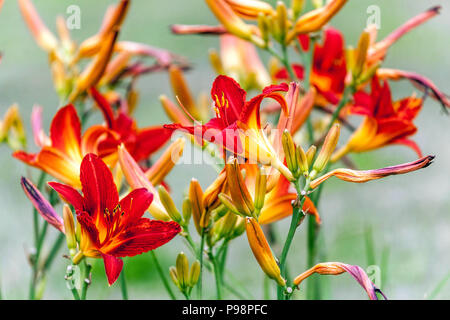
x=229 y=99
x=146 y=235
x=113 y=267
x=105 y=107
x=150 y=140
x=69 y=195
x=135 y=204
x=98 y=186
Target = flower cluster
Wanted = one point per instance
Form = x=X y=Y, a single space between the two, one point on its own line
x=256 y=125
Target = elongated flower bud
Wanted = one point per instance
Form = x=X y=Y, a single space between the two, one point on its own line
x=229 y=19
x=290 y=152
x=216 y=62
x=174 y=276
x=360 y=176
x=302 y=161
x=361 y=54
x=198 y=211
x=282 y=19
x=228 y=202
x=181 y=90
x=310 y=153
x=328 y=147
x=182 y=265
x=69 y=228
x=264 y=28
x=262 y=251
x=336 y=268
x=186 y=210
x=297 y=7
x=260 y=188
x=168 y=204
x=194 y=273
x=159 y=170
x=241 y=197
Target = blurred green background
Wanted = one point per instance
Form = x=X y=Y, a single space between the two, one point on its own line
x=408 y=215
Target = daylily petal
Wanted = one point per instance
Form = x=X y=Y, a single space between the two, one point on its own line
x=146 y=235
x=135 y=204
x=98 y=186
x=113 y=267
x=69 y=195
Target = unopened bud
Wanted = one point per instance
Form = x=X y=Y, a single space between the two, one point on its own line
x=297 y=7
x=310 y=153
x=282 y=19
x=168 y=204
x=228 y=203
x=187 y=210
x=194 y=273
x=182 y=270
x=174 y=276
x=328 y=147
x=263 y=25
x=69 y=229
x=289 y=151
x=302 y=161
x=260 y=188
x=216 y=62
x=361 y=54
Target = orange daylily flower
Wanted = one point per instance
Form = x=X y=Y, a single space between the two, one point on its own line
x=112 y=228
x=237 y=126
x=385 y=122
x=329 y=70
x=63 y=156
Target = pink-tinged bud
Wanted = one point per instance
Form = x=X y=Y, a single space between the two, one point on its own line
x=378 y=50
x=423 y=83
x=336 y=268
x=262 y=252
x=197 y=29
x=137 y=179
x=41 y=204
x=40 y=138
x=44 y=38
x=161 y=168
x=361 y=176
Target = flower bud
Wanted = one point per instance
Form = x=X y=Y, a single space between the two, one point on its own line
x=228 y=203
x=240 y=196
x=282 y=19
x=239 y=227
x=174 y=276
x=263 y=25
x=328 y=147
x=260 y=188
x=182 y=265
x=361 y=54
x=69 y=229
x=168 y=204
x=310 y=153
x=194 y=273
x=225 y=226
x=302 y=161
x=186 y=208
x=289 y=152
x=198 y=211
x=297 y=7
x=262 y=252
x=181 y=90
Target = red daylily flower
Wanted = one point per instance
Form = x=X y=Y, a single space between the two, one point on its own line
x=385 y=122
x=237 y=125
x=140 y=143
x=62 y=156
x=329 y=67
x=113 y=228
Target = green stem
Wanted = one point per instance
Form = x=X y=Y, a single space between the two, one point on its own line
x=296 y=216
x=86 y=279
x=200 y=259
x=53 y=251
x=162 y=275
x=123 y=285
x=217 y=275
x=348 y=91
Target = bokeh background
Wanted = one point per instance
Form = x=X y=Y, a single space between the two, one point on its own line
x=406 y=216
